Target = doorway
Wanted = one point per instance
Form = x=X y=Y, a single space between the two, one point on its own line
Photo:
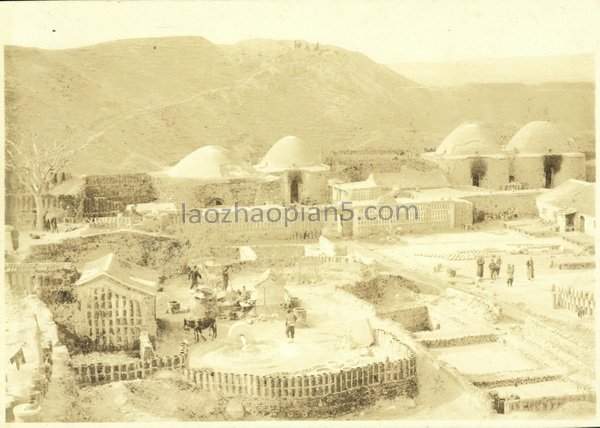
x=294 y=191
x=582 y=224
x=570 y=222
x=548 y=175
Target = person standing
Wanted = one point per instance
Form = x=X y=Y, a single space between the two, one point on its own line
x=290 y=324
x=510 y=271
x=225 y=278
x=492 y=267
x=14 y=237
x=194 y=275
x=480 y=264
x=498 y=266
x=530 y=270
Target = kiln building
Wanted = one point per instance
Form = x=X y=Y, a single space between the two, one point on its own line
x=538 y=156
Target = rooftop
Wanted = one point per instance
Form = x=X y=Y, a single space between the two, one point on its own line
x=292 y=153
x=572 y=194
x=128 y=274
x=540 y=137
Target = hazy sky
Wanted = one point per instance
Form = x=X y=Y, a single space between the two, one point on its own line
x=387 y=31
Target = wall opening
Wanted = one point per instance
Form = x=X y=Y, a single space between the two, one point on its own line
x=552 y=164
x=294 y=191
x=214 y=202
x=582 y=224
x=478 y=171
x=548 y=178
x=569 y=222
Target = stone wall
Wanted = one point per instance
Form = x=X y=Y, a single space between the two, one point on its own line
x=105 y=194
x=201 y=194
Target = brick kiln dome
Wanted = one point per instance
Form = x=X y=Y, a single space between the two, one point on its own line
x=539 y=137
x=468 y=139
x=290 y=153
x=211 y=162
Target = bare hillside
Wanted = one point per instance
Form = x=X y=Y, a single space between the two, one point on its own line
x=135 y=95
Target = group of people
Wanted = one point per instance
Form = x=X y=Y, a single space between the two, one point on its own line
x=49 y=224
x=495 y=266
x=195 y=276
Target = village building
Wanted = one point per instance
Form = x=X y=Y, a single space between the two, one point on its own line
x=300 y=168
x=571 y=206
x=214 y=175
x=469 y=156
x=539 y=155
x=543 y=156
x=355 y=191
x=116 y=302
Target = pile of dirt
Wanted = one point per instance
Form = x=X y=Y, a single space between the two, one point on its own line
x=469 y=306
x=166 y=397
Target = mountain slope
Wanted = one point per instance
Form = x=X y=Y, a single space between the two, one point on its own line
x=149 y=102
x=535 y=70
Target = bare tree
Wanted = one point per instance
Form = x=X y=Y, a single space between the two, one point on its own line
x=35 y=164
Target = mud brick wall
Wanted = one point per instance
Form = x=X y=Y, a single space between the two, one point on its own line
x=109 y=193
x=412 y=319
x=496 y=203
x=574 y=300
x=366 y=161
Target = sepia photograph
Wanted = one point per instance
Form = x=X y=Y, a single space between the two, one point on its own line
x=300 y=212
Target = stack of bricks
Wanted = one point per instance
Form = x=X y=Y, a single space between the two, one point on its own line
x=578 y=301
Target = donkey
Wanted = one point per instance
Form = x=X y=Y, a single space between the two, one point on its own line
x=200 y=324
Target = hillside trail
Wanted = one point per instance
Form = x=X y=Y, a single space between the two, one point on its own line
x=120 y=119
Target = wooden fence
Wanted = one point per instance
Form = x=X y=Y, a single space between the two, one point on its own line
x=23 y=277
x=400 y=368
x=102 y=373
